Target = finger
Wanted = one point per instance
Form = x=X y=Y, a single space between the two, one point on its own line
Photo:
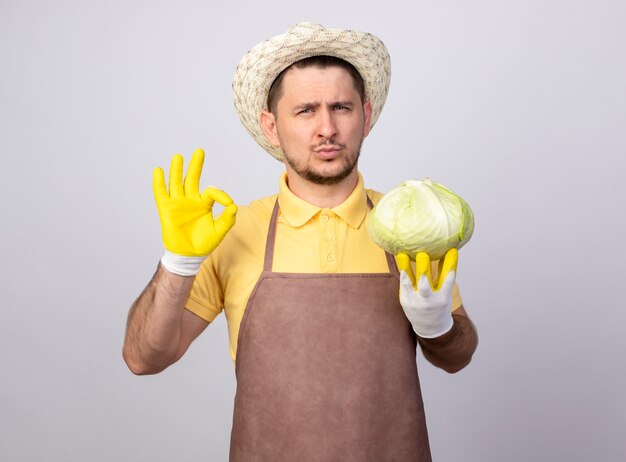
x=448 y=283
x=422 y=265
x=158 y=184
x=176 y=176
x=450 y=261
x=212 y=194
x=192 y=179
x=406 y=284
x=404 y=264
x=226 y=220
x=423 y=287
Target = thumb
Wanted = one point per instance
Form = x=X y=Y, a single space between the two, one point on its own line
x=226 y=220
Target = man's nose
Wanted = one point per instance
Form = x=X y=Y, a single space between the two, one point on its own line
x=327 y=126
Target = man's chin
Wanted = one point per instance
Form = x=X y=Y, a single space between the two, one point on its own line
x=325 y=177
x=329 y=172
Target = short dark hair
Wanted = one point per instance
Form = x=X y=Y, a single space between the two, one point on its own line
x=315 y=61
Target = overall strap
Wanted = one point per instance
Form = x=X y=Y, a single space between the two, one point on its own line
x=271 y=240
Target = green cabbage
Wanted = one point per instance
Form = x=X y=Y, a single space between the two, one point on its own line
x=421 y=216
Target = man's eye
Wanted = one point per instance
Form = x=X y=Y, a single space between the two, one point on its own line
x=305 y=111
x=339 y=107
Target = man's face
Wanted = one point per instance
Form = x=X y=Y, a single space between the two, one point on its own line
x=319 y=123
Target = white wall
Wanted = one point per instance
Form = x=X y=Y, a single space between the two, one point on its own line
x=518 y=106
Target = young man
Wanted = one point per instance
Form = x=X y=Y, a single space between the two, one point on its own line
x=323 y=327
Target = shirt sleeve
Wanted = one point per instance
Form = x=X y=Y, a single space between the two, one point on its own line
x=206 y=299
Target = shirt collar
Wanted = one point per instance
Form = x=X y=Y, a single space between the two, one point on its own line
x=297 y=212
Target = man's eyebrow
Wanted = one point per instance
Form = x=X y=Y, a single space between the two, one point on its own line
x=307 y=105
x=342 y=103
x=316 y=104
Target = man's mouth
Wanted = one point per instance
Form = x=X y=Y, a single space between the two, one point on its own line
x=328 y=152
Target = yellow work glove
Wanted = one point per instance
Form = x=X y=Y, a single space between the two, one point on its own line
x=428 y=305
x=190 y=233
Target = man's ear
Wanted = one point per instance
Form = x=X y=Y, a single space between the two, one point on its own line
x=268 y=124
x=367 y=112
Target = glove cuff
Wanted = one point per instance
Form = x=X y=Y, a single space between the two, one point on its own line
x=183 y=266
x=434 y=330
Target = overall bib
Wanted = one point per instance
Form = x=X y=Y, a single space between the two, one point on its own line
x=326 y=370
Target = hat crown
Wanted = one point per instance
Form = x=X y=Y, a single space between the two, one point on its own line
x=305 y=27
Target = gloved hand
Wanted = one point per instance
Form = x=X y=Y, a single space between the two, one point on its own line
x=190 y=233
x=429 y=308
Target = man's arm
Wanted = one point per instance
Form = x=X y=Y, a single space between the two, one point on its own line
x=448 y=338
x=159 y=329
x=453 y=350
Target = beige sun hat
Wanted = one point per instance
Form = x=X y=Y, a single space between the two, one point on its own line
x=260 y=66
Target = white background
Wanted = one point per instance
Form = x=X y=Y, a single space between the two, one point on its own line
x=520 y=107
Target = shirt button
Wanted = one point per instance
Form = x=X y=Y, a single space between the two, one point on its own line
x=324 y=218
x=328 y=237
x=330 y=258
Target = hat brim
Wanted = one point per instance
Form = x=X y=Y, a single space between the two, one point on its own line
x=258 y=69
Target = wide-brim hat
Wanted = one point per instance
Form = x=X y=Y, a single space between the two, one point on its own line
x=260 y=66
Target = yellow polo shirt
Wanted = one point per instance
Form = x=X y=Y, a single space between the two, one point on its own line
x=309 y=239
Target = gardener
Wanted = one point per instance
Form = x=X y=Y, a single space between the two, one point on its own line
x=324 y=350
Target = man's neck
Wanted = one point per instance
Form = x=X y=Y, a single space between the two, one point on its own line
x=321 y=195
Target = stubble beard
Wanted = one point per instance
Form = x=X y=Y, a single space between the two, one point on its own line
x=305 y=171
